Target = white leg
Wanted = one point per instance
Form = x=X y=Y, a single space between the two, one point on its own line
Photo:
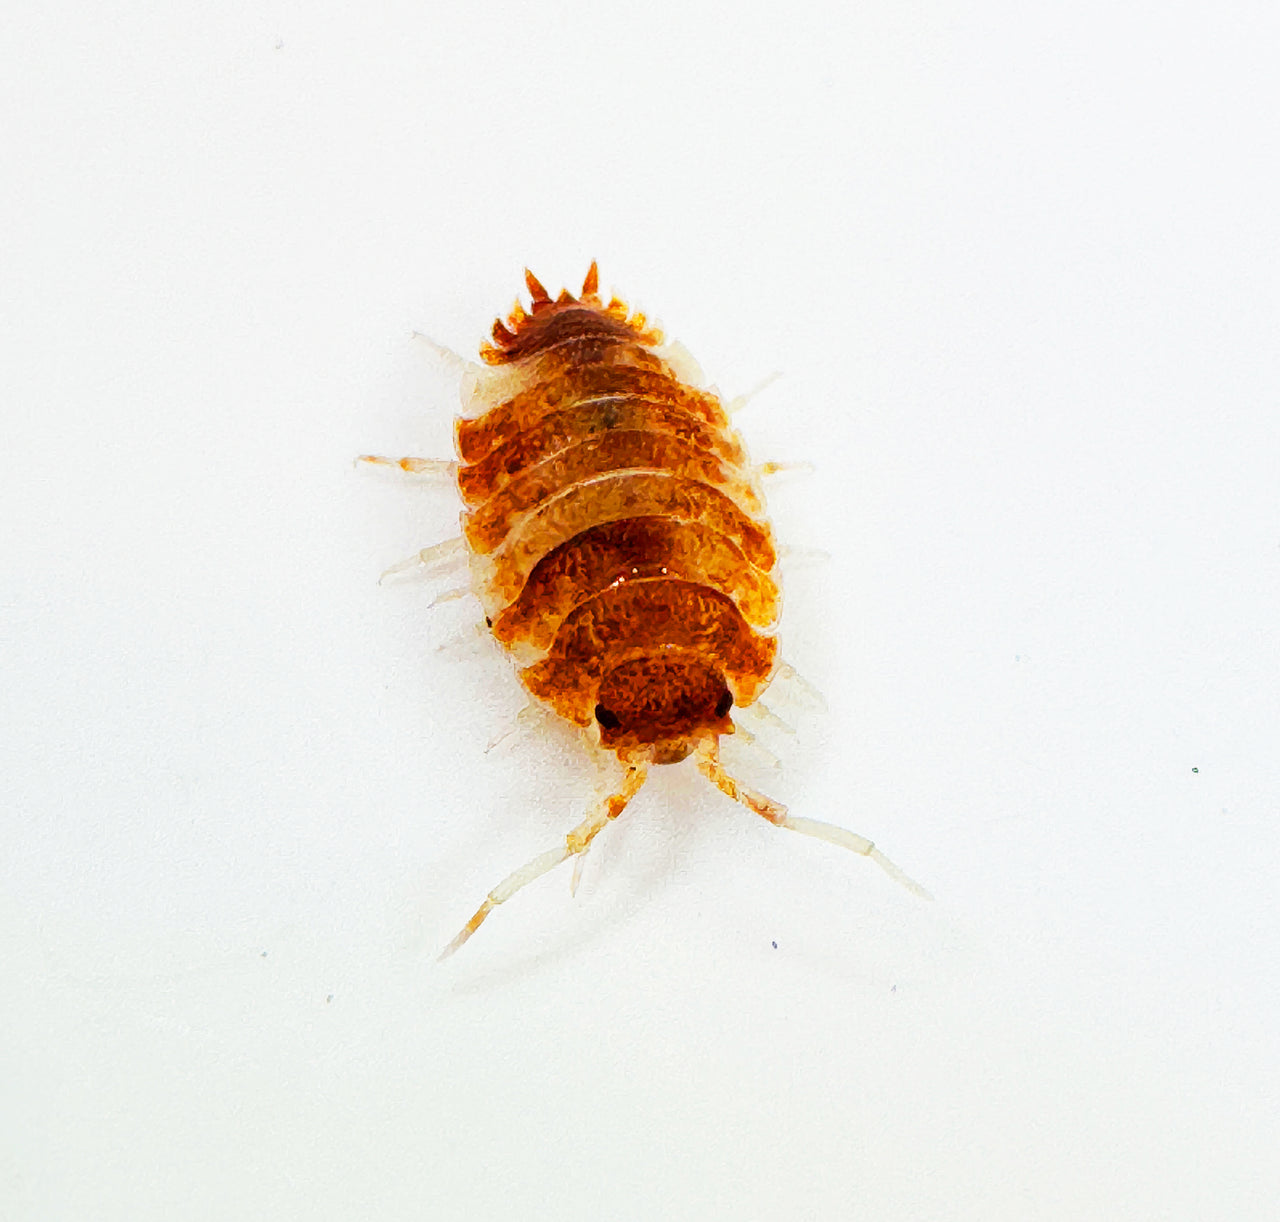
x=450 y=596
x=472 y=636
x=437 y=556
x=607 y=780
x=793 y=557
x=575 y=843
x=738 y=402
x=523 y=719
x=776 y=813
x=799 y=691
x=752 y=744
x=766 y=716
x=576 y=877
x=454 y=362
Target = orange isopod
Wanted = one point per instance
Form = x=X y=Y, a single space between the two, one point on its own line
x=617 y=540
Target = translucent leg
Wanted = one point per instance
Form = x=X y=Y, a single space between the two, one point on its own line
x=681 y=362
x=795 y=557
x=738 y=402
x=437 y=556
x=450 y=596
x=799 y=691
x=766 y=469
x=754 y=745
x=575 y=843
x=446 y=358
x=606 y=780
x=776 y=813
x=578 y=863
x=765 y=716
x=474 y=636
x=414 y=466
x=523 y=720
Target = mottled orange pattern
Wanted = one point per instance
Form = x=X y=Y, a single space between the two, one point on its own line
x=616 y=527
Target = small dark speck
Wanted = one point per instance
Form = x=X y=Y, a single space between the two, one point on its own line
x=329 y=998
x=1195 y=769
x=893 y=989
x=264 y=954
x=775 y=946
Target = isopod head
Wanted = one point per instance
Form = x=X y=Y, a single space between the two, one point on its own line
x=659 y=709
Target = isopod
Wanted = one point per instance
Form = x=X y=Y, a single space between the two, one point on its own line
x=617 y=540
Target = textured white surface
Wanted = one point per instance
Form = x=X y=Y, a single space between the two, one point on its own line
x=1019 y=271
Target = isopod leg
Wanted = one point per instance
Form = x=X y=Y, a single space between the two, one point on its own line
x=753 y=744
x=776 y=813
x=446 y=358
x=799 y=691
x=576 y=842
x=578 y=863
x=767 y=469
x=450 y=596
x=523 y=719
x=413 y=466
x=738 y=402
x=803 y=557
x=606 y=779
x=438 y=555
x=764 y=715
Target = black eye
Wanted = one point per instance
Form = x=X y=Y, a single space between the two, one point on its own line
x=606 y=718
x=724 y=704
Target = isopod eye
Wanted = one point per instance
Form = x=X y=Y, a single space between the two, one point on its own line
x=724 y=704
x=606 y=718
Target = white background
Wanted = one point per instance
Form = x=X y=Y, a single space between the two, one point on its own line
x=1017 y=265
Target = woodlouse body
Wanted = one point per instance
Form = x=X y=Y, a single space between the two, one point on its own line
x=616 y=531
x=617 y=541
